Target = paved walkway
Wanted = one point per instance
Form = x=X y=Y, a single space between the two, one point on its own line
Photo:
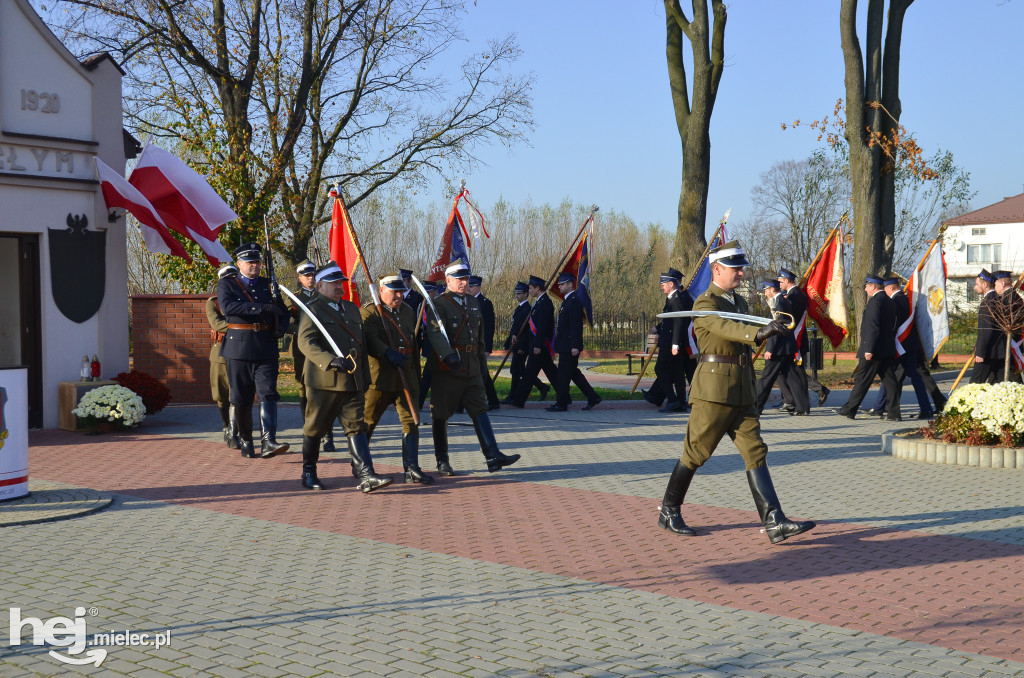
x=552 y=567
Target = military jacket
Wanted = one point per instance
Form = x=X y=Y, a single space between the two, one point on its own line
x=219 y=325
x=991 y=343
x=878 y=327
x=401 y=325
x=673 y=331
x=519 y=317
x=723 y=382
x=912 y=343
x=569 y=330
x=543 y=316
x=464 y=325
x=487 y=310
x=345 y=326
x=250 y=303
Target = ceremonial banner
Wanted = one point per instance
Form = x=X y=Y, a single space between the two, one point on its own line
x=702 y=279
x=341 y=245
x=455 y=242
x=927 y=294
x=826 y=304
x=579 y=267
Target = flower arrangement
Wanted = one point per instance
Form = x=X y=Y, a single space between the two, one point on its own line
x=110 y=406
x=153 y=393
x=982 y=414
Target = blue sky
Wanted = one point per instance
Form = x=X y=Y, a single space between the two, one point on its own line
x=606 y=131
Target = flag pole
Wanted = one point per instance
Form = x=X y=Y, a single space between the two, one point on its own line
x=693 y=274
x=561 y=262
x=413 y=409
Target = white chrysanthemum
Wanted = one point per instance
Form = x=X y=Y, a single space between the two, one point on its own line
x=112 y=403
x=992 y=405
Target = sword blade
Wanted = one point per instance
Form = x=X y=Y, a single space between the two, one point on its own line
x=721 y=314
x=319 y=325
x=430 y=303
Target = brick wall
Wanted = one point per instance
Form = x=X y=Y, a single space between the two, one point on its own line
x=171 y=341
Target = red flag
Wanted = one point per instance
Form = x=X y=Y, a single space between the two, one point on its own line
x=341 y=244
x=824 y=288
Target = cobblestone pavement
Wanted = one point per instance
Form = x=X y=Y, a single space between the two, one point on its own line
x=552 y=567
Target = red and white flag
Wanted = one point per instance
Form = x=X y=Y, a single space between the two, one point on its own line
x=184 y=200
x=824 y=287
x=117 y=192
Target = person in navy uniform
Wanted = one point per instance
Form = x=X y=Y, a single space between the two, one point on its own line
x=569 y=345
x=876 y=353
x=487 y=309
x=673 y=366
x=990 y=347
x=538 y=340
x=517 y=341
x=413 y=299
x=779 y=350
x=799 y=379
x=1011 y=313
x=256 y=318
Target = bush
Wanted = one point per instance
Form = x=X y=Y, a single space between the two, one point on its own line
x=982 y=414
x=154 y=394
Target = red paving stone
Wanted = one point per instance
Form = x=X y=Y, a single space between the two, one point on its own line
x=958 y=593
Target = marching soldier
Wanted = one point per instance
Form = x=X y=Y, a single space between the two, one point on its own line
x=779 y=351
x=335 y=384
x=255 y=320
x=722 y=399
x=487 y=309
x=989 y=348
x=393 y=352
x=540 y=346
x=517 y=363
x=456 y=333
x=673 y=366
x=219 y=387
x=800 y=381
x=569 y=345
x=876 y=353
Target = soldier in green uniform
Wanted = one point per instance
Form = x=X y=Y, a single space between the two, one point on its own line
x=220 y=389
x=456 y=335
x=393 y=352
x=722 y=397
x=335 y=384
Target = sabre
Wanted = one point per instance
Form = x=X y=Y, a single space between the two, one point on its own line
x=756 y=319
x=429 y=302
x=319 y=325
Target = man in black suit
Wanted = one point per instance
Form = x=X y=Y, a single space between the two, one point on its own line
x=779 y=354
x=487 y=309
x=413 y=298
x=799 y=380
x=876 y=352
x=569 y=345
x=256 y=318
x=673 y=366
x=517 y=361
x=540 y=336
x=990 y=346
x=1011 y=312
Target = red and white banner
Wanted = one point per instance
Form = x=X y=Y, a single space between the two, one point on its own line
x=341 y=244
x=826 y=304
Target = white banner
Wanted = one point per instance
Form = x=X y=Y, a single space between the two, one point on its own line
x=929 y=301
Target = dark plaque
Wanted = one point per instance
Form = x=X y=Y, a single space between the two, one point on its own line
x=78 y=268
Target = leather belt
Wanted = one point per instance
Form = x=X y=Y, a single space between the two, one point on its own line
x=740 y=360
x=465 y=349
x=406 y=351
x=216 y=337
x=255 y=327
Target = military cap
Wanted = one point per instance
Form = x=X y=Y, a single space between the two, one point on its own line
x=986 y=276
x=565 y=277
x=521 y=288
x=996 y=275
x=787 y=274
x=891 y=281
x=249 y=251
x=774 y=284
x=873 y=279
x=671 y=275
x=393 y=281
x=538 y=282
x=730 y=254
x=329 y=272
x=227 y=271
x=305 y=268
x=457 y=270
x=476 y=280
x=405 y=273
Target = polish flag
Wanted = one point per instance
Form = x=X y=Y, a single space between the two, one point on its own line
x=117 y=192
x=184 y=200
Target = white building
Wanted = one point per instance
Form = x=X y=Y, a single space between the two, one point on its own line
x=63 y=264
x=982 y=240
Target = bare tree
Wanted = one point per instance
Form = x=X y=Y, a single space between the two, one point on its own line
x=693 y=118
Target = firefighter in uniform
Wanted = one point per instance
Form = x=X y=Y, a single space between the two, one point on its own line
x=673 y=366
x=456 y=370
x=569 y=345
x=219 y=387
x=722 y=399
x=1011 y=314
x=799 y=380
x=256 y=318
x=779 y=351
x=517 y=363
x=335 y=384
x=391 y=345
x=539 y=340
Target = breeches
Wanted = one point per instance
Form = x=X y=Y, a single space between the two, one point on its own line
x=710 y=422
x=323 y=407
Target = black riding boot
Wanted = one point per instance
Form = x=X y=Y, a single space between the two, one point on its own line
x=439 y=429
x=359 y=448
x=670 y=517
x=411 y=458
x=329 y=441
x=243 y=417
x=302 y=409
x=310 y=455
x=225 y=418
x=489 y=446
x=268 y=417
x=776 y=525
